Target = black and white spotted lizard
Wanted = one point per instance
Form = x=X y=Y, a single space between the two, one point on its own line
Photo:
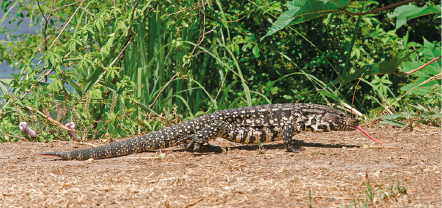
x=248 y=125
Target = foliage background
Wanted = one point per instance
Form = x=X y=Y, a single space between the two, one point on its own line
x=120 y=68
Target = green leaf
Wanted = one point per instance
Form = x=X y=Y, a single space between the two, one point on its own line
x=288 y=97
x=255 y=51
x=94 y=78
x=430 y=52
x=327 y=94
x=393 y=123
x=74 y=85
x=236 y=48
x=394 y=116
x=409 y=66
x=3 y=88
x=407 y=12
x=304 y=10
x=282 y=21
x=200 y=113
x=55 y=86
x=96 y=93
x=386 y=81
x=184 y=24
x=422 y=89
x=383 y=67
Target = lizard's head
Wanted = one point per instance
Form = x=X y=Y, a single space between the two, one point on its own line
x=336 y=120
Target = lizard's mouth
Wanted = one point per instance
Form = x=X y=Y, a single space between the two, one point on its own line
x=366 y=134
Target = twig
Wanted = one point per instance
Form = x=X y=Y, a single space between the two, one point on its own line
x=236 y=20
x=55 y=31
x=211 y=30
x=133 y=47
x=354 y=93
x=132 y=15
x=353 y=111
x=348 y=108
x=64 y=23
x=88 y=12
x=382 y=147
x=119 y=55
x=437 y=76
x=46 y=25
x=104 y=68
x=65 y=6
x=67 y=23
x=67 y=55
x=179 y=11
x=41 y=11
x=35 y=84
x=51 y=119
x=156 y=98
x=89 y=144
x=259 y=98
x=203 y=31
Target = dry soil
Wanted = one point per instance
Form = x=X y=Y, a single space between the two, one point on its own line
x=336 y=167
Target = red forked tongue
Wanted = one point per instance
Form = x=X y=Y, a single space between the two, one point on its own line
x=366 y=134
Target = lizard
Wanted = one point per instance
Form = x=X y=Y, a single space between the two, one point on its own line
x=247 y=125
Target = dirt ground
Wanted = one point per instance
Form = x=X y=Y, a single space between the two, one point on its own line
x=335 y=166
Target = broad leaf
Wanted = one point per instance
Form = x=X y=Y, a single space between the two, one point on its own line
x=4 y=89
x=383 y=67
x=420 y=88
x=423 y=89
x=407 y=12
x=304 y=10
x=96 y=93
x=431 y=52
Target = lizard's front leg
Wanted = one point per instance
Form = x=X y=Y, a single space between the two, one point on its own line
x=287 y=134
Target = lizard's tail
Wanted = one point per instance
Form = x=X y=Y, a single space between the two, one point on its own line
x=148 y=142
x=57 y=154
x=116 y=149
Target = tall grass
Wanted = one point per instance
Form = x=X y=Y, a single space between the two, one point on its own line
x=168 y=60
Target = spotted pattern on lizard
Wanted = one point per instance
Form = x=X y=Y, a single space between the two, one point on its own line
x=248 y=125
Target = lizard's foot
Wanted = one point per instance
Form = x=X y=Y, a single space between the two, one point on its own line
x=295 y=146
x=294 y=149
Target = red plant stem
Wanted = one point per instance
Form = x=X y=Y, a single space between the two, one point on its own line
x=421 y=67
x=380 y=9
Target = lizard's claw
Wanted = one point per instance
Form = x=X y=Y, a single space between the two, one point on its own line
x=295 y=146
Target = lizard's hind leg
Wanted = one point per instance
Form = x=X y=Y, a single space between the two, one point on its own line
x=199 y=138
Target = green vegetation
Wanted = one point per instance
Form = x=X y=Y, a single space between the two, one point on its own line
x=261 y=148
x=112 y=67
x=374 y=195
